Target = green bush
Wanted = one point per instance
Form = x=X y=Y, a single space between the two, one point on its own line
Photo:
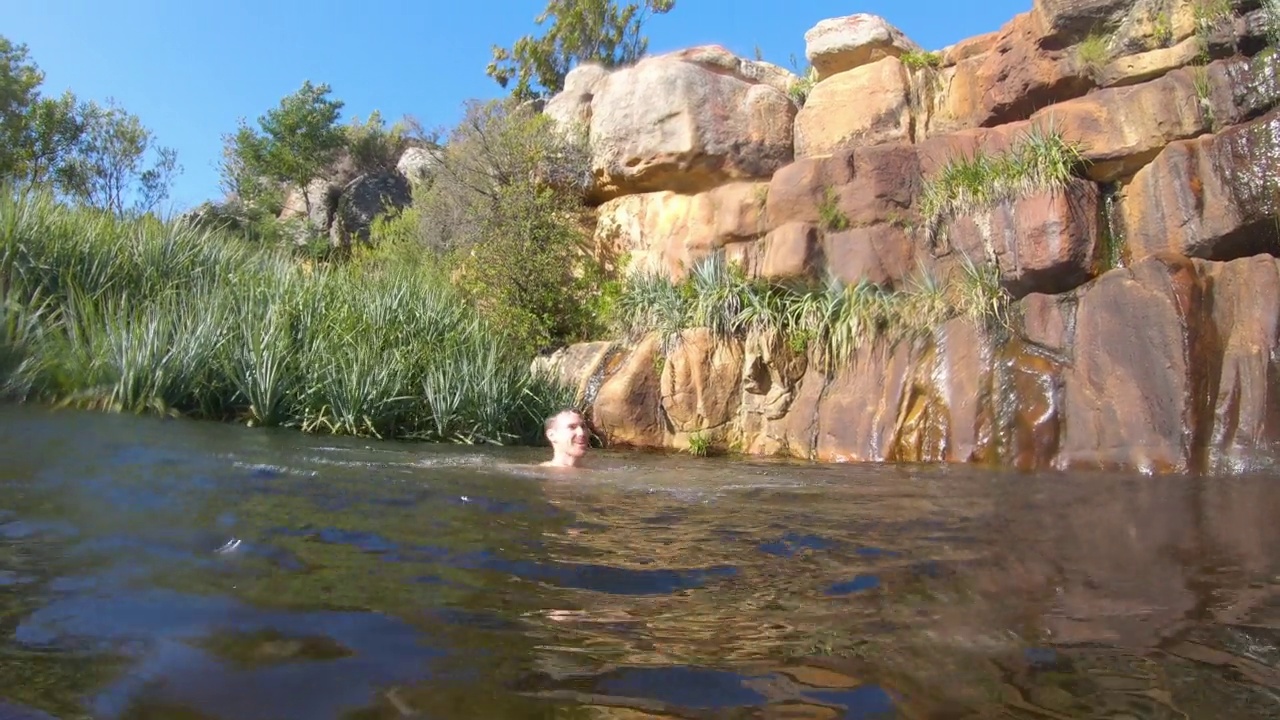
x=144 y=316
x=504 y=210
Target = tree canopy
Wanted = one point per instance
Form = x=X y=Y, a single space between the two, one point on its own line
x=579 y=31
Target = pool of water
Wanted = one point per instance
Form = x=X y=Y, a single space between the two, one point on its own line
x=170 y=569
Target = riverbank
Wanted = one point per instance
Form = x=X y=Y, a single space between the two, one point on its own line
x=144 y=316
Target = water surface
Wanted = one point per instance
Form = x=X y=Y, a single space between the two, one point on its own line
x=170 y=569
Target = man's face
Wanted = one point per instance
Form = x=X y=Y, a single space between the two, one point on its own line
x=568 y=435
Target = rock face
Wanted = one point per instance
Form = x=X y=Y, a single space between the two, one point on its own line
x=670 y=124
x=1165 y=366
x=1045 y=242
x=867 y=105
x=1215 y=197
x=1112 y=164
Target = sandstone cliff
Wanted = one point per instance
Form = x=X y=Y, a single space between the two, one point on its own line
x=1145 y=294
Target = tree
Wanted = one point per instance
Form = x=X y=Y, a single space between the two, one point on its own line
x=502 y=206
x=580 y=31
x=299 y=139
x=108 y=167
x=37 y=134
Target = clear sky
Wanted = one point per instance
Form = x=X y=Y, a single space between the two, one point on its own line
x=191 y=68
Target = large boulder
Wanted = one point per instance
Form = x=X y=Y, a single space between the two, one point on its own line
x=417 y=163
x=363 y=199
x=666 y=123
x=627 y=409
x=868 y=105
x=1139 y=387
x=572 y=105
x=839 y=44
x=718 y=58
x=315 y=204
x=1215 y=196
x=861 y=186
x=1043 y=242
x=1002 y=79
x=700 y=381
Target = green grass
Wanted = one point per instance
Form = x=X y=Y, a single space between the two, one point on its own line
x=144 y=316
x=919 y=59
x=800 y=89
x=1040 y=160
x=830 y=216
x=1271 y=11
x=1093 y=53
x=831 y=319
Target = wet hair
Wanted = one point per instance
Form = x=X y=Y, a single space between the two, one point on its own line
x=552 y=420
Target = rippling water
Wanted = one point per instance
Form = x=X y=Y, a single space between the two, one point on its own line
x=171 y=569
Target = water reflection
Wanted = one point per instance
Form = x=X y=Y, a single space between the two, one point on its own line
x=159 y=569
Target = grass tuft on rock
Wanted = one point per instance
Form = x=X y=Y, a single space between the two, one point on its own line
x=831 y=318
x=1042 y=159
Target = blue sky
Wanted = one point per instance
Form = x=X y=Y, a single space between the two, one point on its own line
x=191 y=68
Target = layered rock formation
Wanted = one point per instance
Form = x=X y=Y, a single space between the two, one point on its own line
x=1145 y=290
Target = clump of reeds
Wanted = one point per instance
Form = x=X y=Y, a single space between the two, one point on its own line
x=149 y=316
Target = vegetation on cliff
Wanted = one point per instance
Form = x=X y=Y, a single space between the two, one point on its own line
x=139 y=315
x=1041 y=159
x=831 y=318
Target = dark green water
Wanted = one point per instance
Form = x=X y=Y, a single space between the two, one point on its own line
x=171 y=569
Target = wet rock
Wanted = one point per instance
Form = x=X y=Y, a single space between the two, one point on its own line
x=1138 y=389
x=1044 y=242
x=668 y=124
x=867 y=105
x=628 y=407
x=837 y=45
x=858 y=415
x=1246 y=313
x=577 y=365
x=701 y=381
x=1214 y=197
x=1242 y=88
x=1048 y=320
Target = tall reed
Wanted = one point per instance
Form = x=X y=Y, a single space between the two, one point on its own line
x=149 y=316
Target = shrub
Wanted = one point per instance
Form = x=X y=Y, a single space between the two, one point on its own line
x=504 y=208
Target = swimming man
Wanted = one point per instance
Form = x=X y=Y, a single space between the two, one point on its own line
x=568 y=436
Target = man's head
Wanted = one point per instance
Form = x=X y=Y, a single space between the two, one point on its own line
x=567 y=434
